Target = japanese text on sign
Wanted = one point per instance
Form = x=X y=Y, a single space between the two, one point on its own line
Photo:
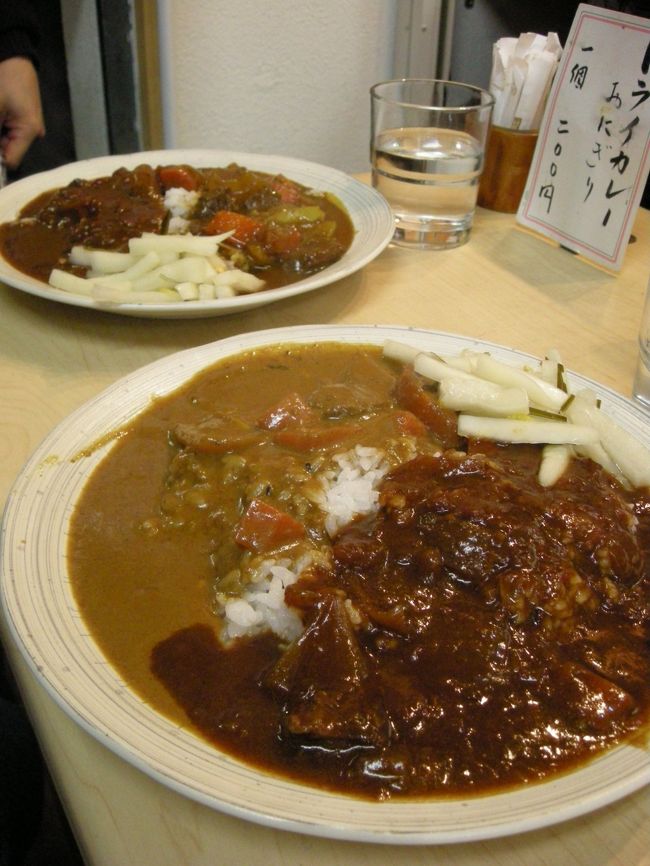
x=593 y=152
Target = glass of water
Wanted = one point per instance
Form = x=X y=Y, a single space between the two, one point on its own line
x=427 y=147
x=641 y=385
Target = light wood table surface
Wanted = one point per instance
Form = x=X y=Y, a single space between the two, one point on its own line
x=504 y=286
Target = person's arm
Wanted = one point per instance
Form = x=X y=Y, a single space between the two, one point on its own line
x=21 y=116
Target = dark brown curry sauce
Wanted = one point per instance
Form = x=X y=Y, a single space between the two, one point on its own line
x=283 y=231
x=478 y=632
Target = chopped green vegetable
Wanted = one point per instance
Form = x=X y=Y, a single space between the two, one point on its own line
x=544 y=413
x=295 y=214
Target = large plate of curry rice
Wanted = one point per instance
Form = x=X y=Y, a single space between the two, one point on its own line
x=369 y=583
x=187 y=233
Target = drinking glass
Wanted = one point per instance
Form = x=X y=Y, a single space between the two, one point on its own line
x=427 y=147
x=641 y=386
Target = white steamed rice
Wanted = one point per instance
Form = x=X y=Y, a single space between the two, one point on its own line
x=351 y=489
x=180 y=203
x=262 y=606
x=348 y=490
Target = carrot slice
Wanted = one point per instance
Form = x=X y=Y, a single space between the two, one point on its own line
x=409 y=424
x=283 y=241
x=288 y=412
x=306 y=438
x=244 y=228
x=264 y=528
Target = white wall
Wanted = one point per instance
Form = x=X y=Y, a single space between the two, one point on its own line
x=275 y=76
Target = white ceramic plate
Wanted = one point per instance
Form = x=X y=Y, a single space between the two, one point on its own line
x=370 y=214
x=45 y=623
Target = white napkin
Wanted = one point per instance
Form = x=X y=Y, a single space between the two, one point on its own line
x=522 y=73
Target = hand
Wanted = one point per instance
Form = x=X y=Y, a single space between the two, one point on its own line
x=21 y=115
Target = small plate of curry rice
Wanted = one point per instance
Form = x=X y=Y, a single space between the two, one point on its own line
x=367 y=583
x=187 y=233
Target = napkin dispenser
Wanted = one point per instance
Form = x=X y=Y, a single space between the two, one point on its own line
x=521 y=77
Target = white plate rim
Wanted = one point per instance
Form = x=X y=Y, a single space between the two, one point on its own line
x=370 y=213
x=38 y=508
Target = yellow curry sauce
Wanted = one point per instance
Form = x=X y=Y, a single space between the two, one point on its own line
x=476 y=632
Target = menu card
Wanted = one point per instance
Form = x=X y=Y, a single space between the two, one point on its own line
x=592 y=157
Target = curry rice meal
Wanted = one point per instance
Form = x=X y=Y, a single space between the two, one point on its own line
x=103 y=237
x=301 y=556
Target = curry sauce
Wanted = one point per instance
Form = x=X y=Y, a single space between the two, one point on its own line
x=473 y=632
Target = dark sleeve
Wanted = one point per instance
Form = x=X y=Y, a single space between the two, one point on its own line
x=19 y=31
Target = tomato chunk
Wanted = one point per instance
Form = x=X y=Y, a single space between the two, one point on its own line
x=178 y=176
x=287 y=191
x=442 y=422
x=244 y=228
x=264 y=528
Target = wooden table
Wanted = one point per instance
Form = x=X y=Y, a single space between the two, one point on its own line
x=505 y=286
